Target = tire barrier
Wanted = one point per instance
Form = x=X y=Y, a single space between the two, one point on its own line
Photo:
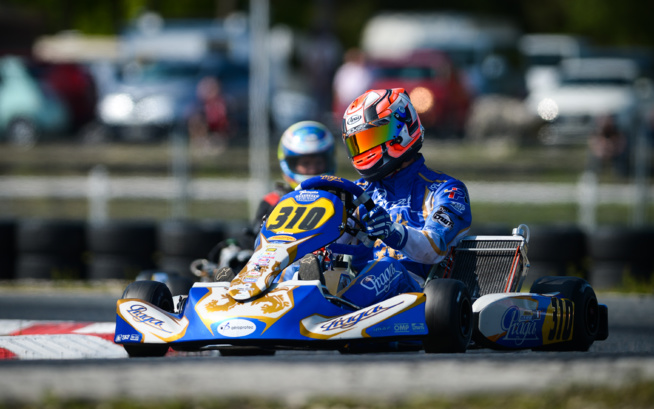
x=7 y=248
x=181 y=242
x=557 y=250
x=619 y=253
x=69 y=249
x=121 y=249
x=50 y=249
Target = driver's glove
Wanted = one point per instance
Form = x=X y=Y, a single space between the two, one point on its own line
x=379 y=225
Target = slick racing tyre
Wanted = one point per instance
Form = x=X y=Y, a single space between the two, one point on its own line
x=448 y=313
x=177 y=284
x=586 y=318
x=155 y=293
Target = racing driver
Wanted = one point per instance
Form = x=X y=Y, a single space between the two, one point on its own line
x=420 y=213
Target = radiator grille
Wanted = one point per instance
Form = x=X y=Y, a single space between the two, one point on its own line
x=489 y=265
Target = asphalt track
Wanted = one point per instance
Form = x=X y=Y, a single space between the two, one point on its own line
x=292 y=376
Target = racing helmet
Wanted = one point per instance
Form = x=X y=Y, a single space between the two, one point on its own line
x=381 y=130
x=306 y=149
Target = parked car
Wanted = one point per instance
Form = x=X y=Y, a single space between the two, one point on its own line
x=29 y=111
x=161 y=62
x=543 y=53
x=483 y=48
x=590 y=88
x=434 y=86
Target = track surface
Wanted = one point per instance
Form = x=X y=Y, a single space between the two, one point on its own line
x=292 y=376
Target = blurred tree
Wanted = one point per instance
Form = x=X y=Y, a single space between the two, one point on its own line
x=608 y=22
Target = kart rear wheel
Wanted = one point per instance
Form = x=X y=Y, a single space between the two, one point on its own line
x=155 y=293
x=448 y=313
x=586 y=321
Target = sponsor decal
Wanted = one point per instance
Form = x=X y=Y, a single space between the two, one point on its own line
x=349 y=321
x=519 y=327
x=418 y=326
x=456 y=194
x=281 y=238
x=383 y=328
x=127 y=337
x=381 y=283
x=353 y=119
x=331 y=178
x=236 y=328
x=264 y=261
x=400 y=328
x=307 y=196
x=442 y=217
x=559 y=323
x=458 y=207
x=138 y=313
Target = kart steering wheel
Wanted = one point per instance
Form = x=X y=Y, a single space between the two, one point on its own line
x=340 y=185
x=358 y=197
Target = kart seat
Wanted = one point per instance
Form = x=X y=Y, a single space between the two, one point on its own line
x=490 y=264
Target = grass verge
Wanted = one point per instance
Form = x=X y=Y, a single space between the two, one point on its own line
x=637 y=395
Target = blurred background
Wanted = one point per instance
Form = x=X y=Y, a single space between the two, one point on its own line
x=137 y=134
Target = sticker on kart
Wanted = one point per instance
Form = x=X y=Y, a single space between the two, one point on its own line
x=356 y=324
x=292 y=217
x=155 y=325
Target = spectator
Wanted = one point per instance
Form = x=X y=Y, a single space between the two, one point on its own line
x=607 y=147
x=208 y=124
x=352 y=79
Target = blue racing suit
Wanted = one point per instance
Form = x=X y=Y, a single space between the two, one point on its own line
x=435 y=209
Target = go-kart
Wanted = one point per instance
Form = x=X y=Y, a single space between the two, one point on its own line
x=470 y=300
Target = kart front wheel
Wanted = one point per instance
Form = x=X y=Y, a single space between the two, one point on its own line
x=155 y=293
x=448 y=313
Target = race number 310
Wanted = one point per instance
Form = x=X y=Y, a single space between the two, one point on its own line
x=293 y=218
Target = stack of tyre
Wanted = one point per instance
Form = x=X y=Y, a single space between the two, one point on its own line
x=620 y=253
x=51 y=249
x=180 y=242
x=557 y=250
x=120 y=249
x=7 y=248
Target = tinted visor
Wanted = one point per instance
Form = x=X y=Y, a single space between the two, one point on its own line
x=312 y=164
x=371 y=137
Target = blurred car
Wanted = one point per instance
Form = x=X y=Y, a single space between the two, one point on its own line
x=543 y=53
x=590 y=88
x=483 y=48
x=153 y=89
x=434 y=85
x=29 y=111
x=74 y=85
x=149 y=100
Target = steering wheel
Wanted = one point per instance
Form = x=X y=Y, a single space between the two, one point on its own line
x=353 y=196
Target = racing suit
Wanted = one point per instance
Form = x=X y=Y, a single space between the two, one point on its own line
x=434 y=207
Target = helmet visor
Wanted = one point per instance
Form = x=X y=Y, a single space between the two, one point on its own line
x=313 y=164
x=371 y=137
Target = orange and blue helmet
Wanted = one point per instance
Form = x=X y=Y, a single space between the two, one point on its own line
x=381 y=130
